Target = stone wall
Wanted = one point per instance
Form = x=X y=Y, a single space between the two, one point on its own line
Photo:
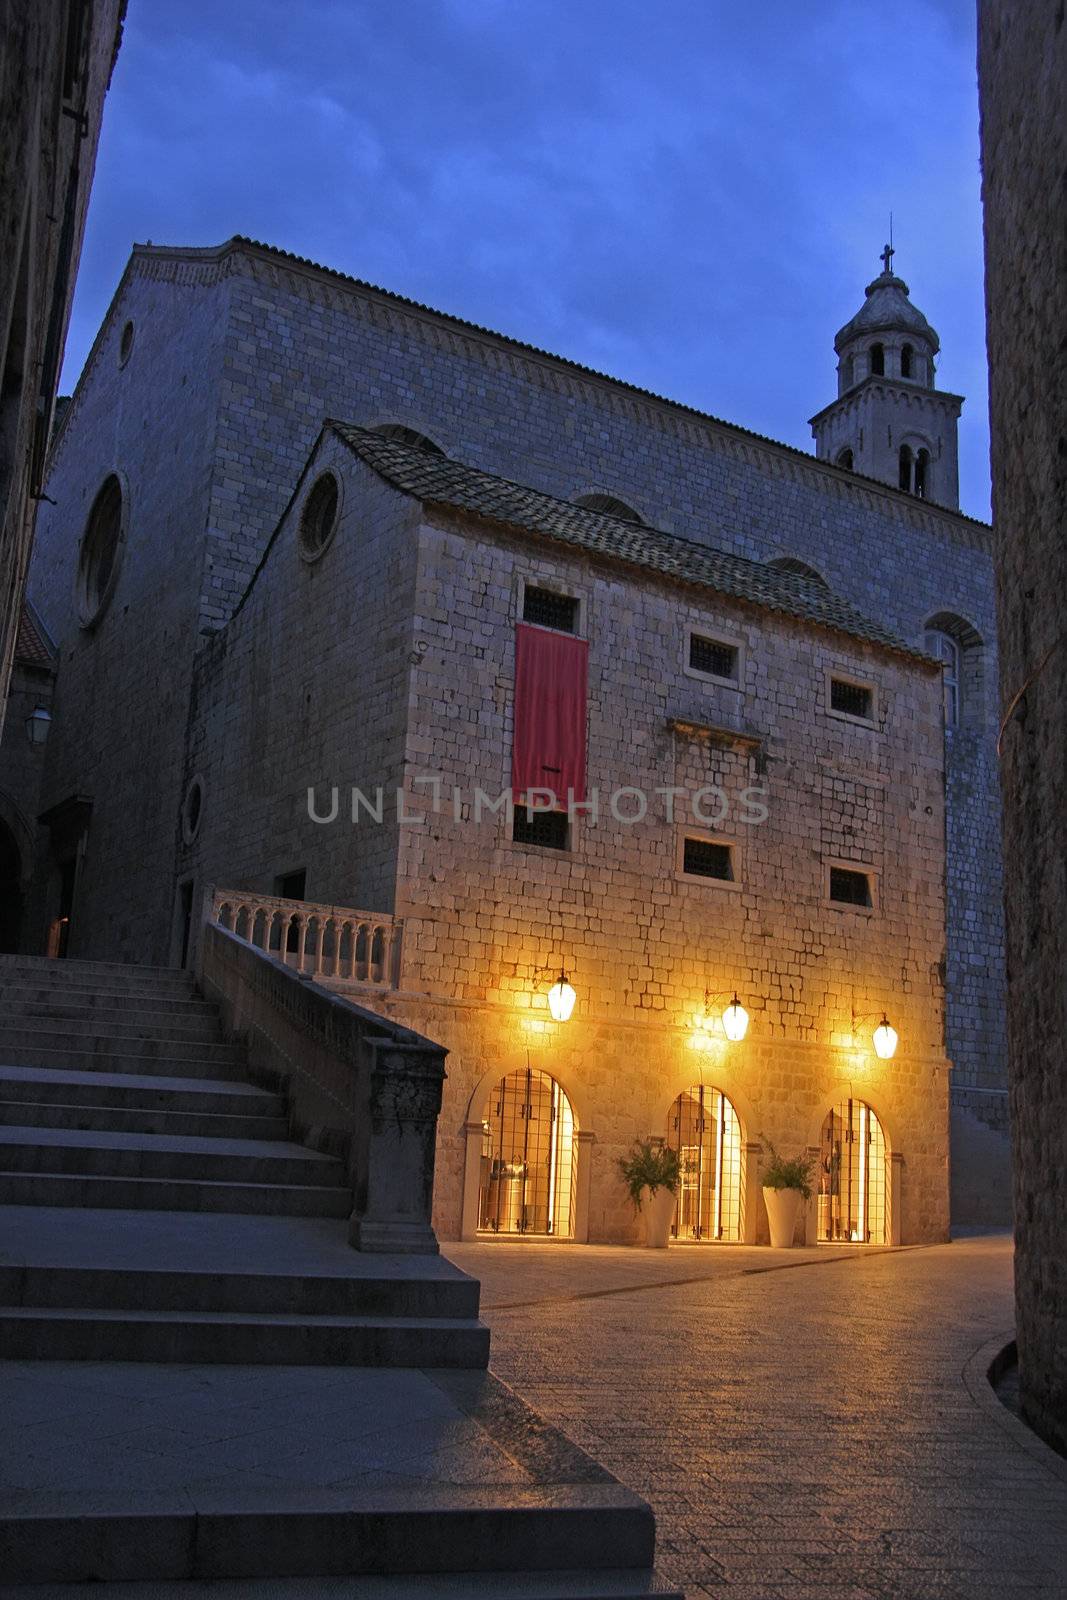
x=300 y=343
x=47 y=154
x=1023 y=81
x=487 y=921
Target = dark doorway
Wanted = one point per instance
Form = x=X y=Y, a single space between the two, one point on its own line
x=292 y=886
x=59 y=933
x=185 y=918
x=11 y=905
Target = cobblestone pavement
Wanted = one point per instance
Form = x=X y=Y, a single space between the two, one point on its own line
x=808 y=1426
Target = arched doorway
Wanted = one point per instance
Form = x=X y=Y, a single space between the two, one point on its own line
x=704 y=1128
x=853 y=1176
x=10 y=891
x=528 y=1158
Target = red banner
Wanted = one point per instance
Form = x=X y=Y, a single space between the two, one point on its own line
x=551 y=688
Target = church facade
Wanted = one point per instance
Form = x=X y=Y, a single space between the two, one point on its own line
x=780 y=631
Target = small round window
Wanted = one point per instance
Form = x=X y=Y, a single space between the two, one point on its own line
x=192 y=810
x=101 y=551
x=126 y=344
x=318 y=520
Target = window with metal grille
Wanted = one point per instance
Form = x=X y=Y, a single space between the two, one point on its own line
x=850 y=888
x=712 y=656
x=548 y=829
x=854 y=699
x=702 y=859
x=550 y=610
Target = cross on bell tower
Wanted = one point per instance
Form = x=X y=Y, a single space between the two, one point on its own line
x=889 y=422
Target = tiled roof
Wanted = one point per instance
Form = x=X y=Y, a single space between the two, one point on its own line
x=437 y=481
x=32 y=646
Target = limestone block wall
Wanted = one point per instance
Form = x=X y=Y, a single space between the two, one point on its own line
x=488 y=921
x=267 y=347
x=307 y=687
x=122 y=691
x=1023 y=82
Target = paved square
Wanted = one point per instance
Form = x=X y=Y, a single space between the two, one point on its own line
x=801 y=1421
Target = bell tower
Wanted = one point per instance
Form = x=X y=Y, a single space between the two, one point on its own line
x=889 y=422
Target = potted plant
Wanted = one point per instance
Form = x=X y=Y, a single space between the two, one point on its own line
x=650 y=1172
x=785 y=1184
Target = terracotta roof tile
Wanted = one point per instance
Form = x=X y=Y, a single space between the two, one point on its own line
x=438 y=481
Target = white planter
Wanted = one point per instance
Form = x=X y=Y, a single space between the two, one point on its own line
x=658 y=1212
x=782 y=1208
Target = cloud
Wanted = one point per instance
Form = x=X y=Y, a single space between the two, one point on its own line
x=690 y=194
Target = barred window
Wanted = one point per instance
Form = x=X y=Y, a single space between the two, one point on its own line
x=712 y=656
x=546 y=829
x=854 y=699
x=849 y=888
x=703 y=859
x=550 y=610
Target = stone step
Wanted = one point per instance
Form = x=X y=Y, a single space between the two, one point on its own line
x=444 y=1527
x=221 y=1096
x=34 y=1333
x=119 y=1022
x=146 y=1155
x=96 y=999
x=95 y=975
x=364 y=1294
x=121 y=1119
x=173 y=1194
x=101 y=1043
x=616 y=1584
x=192 y=1064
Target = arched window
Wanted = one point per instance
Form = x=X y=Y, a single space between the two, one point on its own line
x=853 y=1180
x=848 y=371
x=101 y=551
x=958 y=646
x=704 y=1129
x=404 y=435
x=528 y=1158
x=799 y=569
x=610 y=506
x=906 y=466
x=844 y=459
x=906 y=361
x=878 y=360
x=947 y=651
x=922 y=474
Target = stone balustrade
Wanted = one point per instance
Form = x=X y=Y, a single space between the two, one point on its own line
x=318 y=940
x=358 y=1087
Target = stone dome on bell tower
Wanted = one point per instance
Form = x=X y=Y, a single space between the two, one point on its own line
x=889 y=421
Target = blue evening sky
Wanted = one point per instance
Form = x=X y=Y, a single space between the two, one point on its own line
x=689 y=194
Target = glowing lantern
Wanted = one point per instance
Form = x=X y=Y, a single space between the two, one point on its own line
x=735 y=1020
x=561 y=998
x=885 y=1039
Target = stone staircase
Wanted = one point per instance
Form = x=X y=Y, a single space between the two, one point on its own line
x=153 y=1210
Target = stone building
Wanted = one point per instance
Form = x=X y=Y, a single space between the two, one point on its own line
x=763 y=817
x=55 y=68
x=205 y=393
x=22 y=752
x=1022 y=60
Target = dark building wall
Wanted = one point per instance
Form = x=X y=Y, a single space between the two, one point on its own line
x=1023 y=79
x=55 y=66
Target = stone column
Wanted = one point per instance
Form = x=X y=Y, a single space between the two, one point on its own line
x=896 y=1196
x=474 y=1135
x=397 y=1183
x=584 y=1143
x=752 y=1198
x=811 y=1209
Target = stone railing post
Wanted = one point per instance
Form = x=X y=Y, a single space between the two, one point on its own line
x=395 y=1195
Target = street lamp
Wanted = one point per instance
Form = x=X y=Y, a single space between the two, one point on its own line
x=561 y=998
x=735 y=1020
x=37 y=725
x=885 y=1039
